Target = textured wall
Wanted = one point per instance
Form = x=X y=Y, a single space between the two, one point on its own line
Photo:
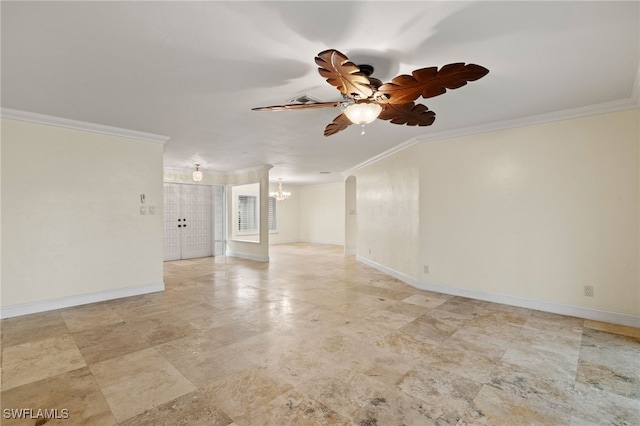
x=322 y=213
x=535 y=212
x=388 y=212
x=71 y=213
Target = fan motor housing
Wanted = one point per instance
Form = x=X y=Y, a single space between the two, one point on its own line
x=366 y=69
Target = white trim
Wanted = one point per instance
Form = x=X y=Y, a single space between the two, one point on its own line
x=49 y=120
x=333 y=243
x=284 y=242
x=179 y=182
x=603 y=108
x=568 y=114
x=381 y=156
x=248 y=256
x=350 y=251
x=505 y=299
x=395 y=274
x=81 y=299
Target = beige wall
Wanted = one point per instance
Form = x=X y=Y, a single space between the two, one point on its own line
x=287 y=215
x=322 y=213
x=535 y=212
x=351 y=216
x=388 y=212
x=71 y=217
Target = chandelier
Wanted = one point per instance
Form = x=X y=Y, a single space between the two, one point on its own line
x=280 y=194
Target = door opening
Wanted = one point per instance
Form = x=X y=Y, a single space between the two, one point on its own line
x=190 y=216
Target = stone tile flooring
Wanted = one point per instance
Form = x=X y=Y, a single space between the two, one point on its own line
x=314 y=338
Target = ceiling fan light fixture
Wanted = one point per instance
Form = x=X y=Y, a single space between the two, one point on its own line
x=363 y=94
x=362 y=112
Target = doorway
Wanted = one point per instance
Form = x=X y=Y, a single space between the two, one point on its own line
x=188 y=218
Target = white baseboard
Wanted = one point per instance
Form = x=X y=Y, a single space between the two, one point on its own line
x=313 y=241
x=249 y=256
x=81 y=299
x=284 y=242
x=505 y=299
x=350 y=251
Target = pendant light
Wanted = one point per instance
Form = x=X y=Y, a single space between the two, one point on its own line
x=197 y=174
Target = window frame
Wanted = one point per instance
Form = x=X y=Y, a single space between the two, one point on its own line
x=272 y=211
x=252 y=216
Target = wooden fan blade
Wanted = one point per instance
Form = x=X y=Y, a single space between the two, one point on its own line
x=410 y=114
x=297 y=106
x=343 y=74
x=428 y=82
x=339 y=123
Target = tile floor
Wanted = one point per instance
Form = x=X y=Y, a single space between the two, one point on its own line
x=314 y=338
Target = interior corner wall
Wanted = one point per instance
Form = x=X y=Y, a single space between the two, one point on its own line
x=287 y=216
x=322 y=213
x=387 y=199
x=529 y=214
x=537 y=212
x=72 y=228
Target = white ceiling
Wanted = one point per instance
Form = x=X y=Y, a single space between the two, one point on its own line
x=193 y=70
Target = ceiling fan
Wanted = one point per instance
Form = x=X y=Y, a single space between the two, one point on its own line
x=366 y=98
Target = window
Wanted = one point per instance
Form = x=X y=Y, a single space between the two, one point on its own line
x=247 y=215
x=273 y=221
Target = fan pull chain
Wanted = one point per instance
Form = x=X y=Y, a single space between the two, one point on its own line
x=362 y=133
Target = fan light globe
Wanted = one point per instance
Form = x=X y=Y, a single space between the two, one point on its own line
x=362 y=113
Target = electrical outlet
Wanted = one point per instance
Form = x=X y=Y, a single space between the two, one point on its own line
x=143 y=210
x=152 y=210
x=588 y=290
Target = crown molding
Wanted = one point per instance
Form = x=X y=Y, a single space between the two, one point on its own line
x=49 y=120
x=381 y=156
x=189 y=171
x=603 y=108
